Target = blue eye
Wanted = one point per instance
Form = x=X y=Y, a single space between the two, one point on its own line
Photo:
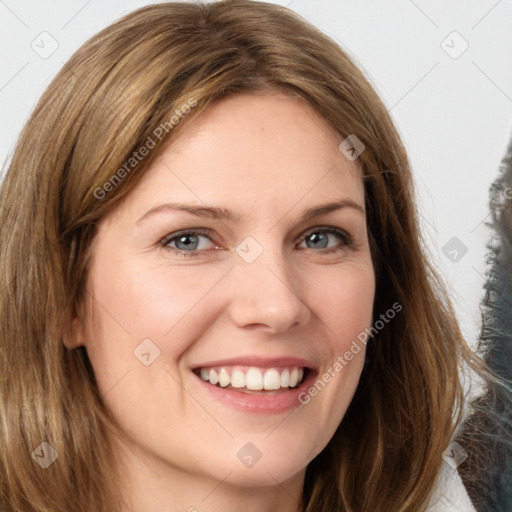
x=186 y=242
x=320 y=237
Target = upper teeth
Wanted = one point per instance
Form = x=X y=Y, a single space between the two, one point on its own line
x=253 y=378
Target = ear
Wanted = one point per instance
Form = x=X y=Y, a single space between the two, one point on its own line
x=73 y=335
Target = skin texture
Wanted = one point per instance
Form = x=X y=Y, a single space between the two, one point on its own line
x=268 y=158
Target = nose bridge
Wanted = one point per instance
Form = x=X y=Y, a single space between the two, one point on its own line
x=266 y=286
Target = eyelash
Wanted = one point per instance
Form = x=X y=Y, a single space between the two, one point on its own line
x=347 y=240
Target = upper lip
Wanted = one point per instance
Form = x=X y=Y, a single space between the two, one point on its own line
x=258 y=361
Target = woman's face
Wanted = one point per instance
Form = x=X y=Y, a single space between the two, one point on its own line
x=255 y=300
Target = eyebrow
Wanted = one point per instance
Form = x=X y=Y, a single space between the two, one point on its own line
x=217 y=213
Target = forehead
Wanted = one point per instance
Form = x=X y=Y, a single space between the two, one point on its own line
x=253 y=151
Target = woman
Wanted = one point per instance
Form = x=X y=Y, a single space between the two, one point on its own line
x=192 y=348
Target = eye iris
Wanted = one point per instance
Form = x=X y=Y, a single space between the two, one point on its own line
x=314 y=237
x=190 y=241
x=187 y=245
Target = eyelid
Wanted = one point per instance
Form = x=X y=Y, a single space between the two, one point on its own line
x=321 y=228
x=190 y=231
x=347 y=240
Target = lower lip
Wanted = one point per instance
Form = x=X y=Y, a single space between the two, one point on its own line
x=260 y=404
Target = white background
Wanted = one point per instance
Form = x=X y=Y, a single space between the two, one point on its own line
x=454 y=114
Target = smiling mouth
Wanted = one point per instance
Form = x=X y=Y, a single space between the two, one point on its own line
x=254 y=380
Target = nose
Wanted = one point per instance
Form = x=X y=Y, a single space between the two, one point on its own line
x=267 y=293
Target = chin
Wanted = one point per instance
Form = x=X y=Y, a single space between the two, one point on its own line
x=264 y=474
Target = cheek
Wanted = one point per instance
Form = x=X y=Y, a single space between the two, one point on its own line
x=174 y=306
x=141 y=301
x=163 y=303
x=344 y=302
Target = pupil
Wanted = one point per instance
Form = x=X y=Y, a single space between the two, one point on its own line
x=315 y=237
x=181 y=240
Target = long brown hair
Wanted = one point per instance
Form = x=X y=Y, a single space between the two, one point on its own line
x=108 y=99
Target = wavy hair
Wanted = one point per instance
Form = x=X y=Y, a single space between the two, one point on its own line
x=105 y=102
